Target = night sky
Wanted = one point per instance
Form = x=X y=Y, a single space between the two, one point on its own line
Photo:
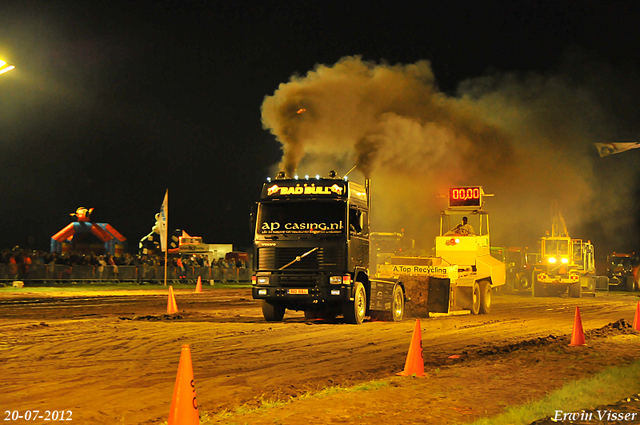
x=112 y=103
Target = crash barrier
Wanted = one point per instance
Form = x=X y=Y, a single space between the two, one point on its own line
x=60 y=272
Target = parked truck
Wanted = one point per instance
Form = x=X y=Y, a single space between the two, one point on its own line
x=462 y=274
x=519 y=264
x=386 y=244
x=311 y=252
x=622 y=271
x=566 y=264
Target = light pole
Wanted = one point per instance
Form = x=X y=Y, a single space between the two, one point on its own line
x=5 y=67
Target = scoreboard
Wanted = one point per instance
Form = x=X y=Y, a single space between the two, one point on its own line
x=465 y=197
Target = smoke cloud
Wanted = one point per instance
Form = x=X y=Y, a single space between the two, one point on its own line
x=528 y=140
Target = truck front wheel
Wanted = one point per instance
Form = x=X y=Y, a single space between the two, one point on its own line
x=525 y=283
x=631 y=285
x=397 y=306
x=272 y=312
x=485 y=297
x=354 y=311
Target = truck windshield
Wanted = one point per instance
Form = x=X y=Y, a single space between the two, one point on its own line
x=556 y=247
x=301 y=217
x=625 y=262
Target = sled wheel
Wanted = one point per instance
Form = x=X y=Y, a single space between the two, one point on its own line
x=485 y=297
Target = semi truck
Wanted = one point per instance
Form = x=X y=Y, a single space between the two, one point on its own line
x=311 y=252
x=462 y=274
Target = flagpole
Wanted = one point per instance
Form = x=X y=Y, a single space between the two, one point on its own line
x=165 y=266
x=166 y=240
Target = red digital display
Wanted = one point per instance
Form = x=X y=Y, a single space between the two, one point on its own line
x=465 y=197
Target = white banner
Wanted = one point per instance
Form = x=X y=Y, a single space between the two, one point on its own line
x=163 y=218
x=606 y=149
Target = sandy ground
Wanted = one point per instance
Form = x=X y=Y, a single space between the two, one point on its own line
x=112 y=358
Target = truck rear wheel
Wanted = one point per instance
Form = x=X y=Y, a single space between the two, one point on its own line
x=397 y=305
x=272 y=312
x=485 y=297
x=354 y=311
x=476 y=299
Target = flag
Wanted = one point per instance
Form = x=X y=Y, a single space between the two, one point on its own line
x=163 y=217
x=606 y=149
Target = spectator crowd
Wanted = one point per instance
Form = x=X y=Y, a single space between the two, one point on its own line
x=22 y=264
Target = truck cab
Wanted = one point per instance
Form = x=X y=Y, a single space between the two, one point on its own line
x=311 y=251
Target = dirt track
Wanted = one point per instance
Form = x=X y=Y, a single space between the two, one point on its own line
x=112 y=359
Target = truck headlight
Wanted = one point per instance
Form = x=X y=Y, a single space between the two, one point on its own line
x=551 y=260
x=565 y=261
x=263 y=280
x=335 y=280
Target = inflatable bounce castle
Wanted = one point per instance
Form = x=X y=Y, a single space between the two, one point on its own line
x=86 y=236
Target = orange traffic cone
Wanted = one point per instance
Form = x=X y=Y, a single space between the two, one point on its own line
x=577 y=338
x=184 y=406
x=415 y=363
x=636 y=320
x=199 y=285
x=172 y=307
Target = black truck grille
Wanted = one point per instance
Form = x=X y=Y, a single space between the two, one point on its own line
x=272 y=258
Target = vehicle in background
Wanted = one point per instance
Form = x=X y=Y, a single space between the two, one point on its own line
x=387 y=244
x=462 y=273
x=193 y=245
x=236 y=256
x=565 y=264
x=519 y=265
x=622 y=271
